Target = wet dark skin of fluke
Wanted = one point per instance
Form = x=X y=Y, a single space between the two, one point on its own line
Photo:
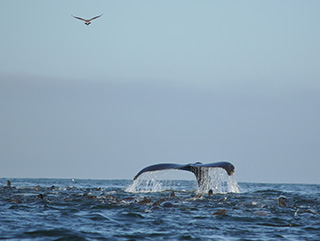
x=198 y=169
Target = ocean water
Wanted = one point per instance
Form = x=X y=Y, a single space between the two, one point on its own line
x=67 y=209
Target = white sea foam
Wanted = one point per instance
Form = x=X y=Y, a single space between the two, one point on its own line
x=216 y=179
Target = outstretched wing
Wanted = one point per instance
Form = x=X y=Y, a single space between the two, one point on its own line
x=79 y=18
x=95 y=17
x=189 y=167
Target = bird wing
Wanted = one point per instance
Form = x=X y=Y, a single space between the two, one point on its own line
x=80 y=18
x=95 y=17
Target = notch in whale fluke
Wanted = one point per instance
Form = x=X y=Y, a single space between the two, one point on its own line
x=198 y=169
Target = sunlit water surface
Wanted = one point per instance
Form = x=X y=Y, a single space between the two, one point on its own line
x=66 y=209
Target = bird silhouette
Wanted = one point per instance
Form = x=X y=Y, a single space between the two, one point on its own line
x=87 y=21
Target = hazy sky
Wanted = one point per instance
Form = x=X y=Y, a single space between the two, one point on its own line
x=160 y=81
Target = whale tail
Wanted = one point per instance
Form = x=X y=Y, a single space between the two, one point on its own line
x=198 y=169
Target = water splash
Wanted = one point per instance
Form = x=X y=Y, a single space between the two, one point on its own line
x=215 y=179
x=153 y=182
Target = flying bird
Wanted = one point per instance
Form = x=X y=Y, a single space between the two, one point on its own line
x=87 y=21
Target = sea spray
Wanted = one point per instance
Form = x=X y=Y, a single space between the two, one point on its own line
x=215 y=179
x=154 y=182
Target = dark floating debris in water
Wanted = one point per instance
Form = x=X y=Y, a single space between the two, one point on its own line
x=15 y=200
x=220 y=212
x=158 y=203
x=198 y=195
x=127 y=199
x=111 y=198
x=87 y=196
x=40 y=196
x=167 y=205
x=145 y=201
x=282 y=201
x=210 y=193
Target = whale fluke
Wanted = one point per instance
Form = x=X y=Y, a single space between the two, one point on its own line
x=198 y=169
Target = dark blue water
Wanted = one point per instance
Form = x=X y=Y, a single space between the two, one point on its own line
x=63 y=209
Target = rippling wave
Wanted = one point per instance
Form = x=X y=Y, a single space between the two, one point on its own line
x=61 y=209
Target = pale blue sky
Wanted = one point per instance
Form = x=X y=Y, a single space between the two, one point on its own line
x=160 y=81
